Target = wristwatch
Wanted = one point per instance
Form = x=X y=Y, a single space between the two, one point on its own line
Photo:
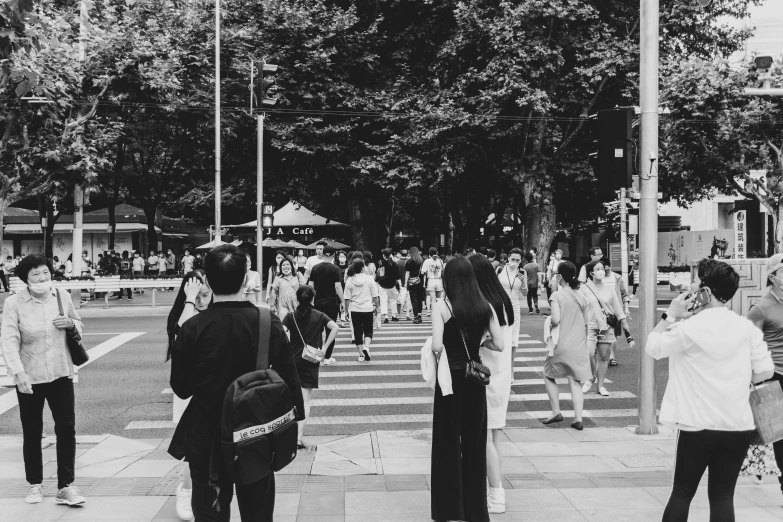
x=665 y=317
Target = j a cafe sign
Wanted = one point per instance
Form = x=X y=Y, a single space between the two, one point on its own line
x=283 y=231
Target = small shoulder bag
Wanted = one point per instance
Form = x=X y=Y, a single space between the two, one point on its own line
x=475 y=372
x=611 y=319
x=309 y=353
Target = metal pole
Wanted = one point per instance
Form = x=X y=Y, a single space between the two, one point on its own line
x=260 y=195
x=78 y=190
x=648 y=211
x=624 y=236
x=217 y=121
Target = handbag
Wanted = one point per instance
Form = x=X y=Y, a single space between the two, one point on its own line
x=309 y=353
x=475 y=371
x=73 y=339
x=611 y=319
x=766 y=402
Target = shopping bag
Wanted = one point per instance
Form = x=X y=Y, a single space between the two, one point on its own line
x=766 y=401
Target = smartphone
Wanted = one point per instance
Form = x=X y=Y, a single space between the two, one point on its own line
x=702 y=298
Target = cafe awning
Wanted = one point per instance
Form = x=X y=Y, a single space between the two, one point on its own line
x=295 y=215
x=35 y=228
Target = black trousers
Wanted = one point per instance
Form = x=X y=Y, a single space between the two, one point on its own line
x=363 y=323
x=332 y=310
x=59 y=394
x=778 y=446
x=256 y=501
x=722 y=452
x=3 y=280
x=532 y=297
x=459 y=458
x=417 y=298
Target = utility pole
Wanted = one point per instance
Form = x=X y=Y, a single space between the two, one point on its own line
x=624 y=235
x=78 y=190
x=260 y=195
x=217 y=121
x=648 y=210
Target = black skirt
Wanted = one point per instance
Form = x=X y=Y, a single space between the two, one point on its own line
x=308 y=373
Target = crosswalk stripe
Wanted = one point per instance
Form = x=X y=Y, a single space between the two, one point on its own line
x=386 y=344
x=427 y=417
x=415 y=384
x=406 y=362
x=392 y=401
x=400 y=373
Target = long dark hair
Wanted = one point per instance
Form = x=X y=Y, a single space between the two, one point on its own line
x=367 y=258
x=304 y=296
x=468 y=305
x=415 y=256
x=492 y=289
x=172 y=326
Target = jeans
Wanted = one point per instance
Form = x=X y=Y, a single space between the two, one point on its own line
x=417 y=298
x=59 y=394
x=722 y=452
x=532 y=297
x=256 y=501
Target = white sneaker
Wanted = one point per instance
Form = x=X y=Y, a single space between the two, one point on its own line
x=329 y=361
x=70 y=496
x=35 y=495
x=496 y=500
x=184 y=508
x=587 y=386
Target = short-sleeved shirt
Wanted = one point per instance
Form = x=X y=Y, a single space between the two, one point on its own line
x=390 y=274
x=532 y=270
x=433 y=268
x=187 y=263
x=171 y=262
x=413 y=267
x=311 y=326
x=153 y=261
x=324 y=276
x=312 y=261
x=769 y=312
x=138 y=264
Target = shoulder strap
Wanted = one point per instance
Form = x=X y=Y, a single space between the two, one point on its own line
x=596 y=298
x=264 y=335
x=59 y=301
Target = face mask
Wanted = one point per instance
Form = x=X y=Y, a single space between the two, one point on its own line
x=599 y=274
x=40 y=288
x=778 y=282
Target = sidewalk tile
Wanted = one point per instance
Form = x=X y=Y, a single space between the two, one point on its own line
x=603 y=435
x=17 y=510
x=105 y=469
x=766 y=495
x=117 y=508
x=287 y=503
x=356 y=447
x=752 y=514
x=631 y=447
x=12 y=470
x=569 y=464
x=544 y=499
x=344 y=467
x=319 y=518
x=400 y=444
x=571 y=515
x=406 y=466
x=148 y=468
x=633 y=499
x=517 y=465
x=552 y=449
x=322 y=503
x=624 y=515
x=114 y=447
x=297 y=467
x=700 y=500
x=669 y=447
x=375 y=503
x=395 y=517
x=508 y=449
x=776 y=512
x=551 y=435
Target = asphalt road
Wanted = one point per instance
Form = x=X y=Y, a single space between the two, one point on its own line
x=122 y=392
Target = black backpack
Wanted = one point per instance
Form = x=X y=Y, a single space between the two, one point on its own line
x=258 y=430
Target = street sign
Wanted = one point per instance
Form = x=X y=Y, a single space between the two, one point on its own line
x=615 y=256
x=740 y=233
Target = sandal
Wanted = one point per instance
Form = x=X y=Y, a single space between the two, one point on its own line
x=613 y=362
x=366 y=355
x=300 y=444
x=360 y=358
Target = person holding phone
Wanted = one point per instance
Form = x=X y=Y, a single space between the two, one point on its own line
x=514 y=282
x=714 y=355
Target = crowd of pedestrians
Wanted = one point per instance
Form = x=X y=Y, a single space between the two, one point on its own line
x=476 y=304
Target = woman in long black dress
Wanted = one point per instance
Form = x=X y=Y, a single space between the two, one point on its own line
x=459 y=423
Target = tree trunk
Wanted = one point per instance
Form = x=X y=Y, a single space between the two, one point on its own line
x=3 y=205
x=540 y=223
x=112 y=222
x=357 y=227
x=152 y=234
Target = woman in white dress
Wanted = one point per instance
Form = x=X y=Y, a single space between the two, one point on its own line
x=193 y=297
x=252 y=285
x=501 y=366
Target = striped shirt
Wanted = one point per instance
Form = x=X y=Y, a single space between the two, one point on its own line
x=31 y=343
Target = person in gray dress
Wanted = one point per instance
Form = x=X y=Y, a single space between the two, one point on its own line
x=569 y=359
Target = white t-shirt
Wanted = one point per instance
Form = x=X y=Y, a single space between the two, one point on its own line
x=312 y=261
x=359 y=291
x=187 y=263
x=433 y=268
x=138 y=264
x=153 y=260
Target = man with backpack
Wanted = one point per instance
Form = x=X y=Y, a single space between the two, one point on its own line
x=217 y=351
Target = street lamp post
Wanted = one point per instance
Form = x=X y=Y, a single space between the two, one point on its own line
x=648 y=209
x=217 y=120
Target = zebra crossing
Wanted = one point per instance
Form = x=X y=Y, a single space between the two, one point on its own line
x=389 y=393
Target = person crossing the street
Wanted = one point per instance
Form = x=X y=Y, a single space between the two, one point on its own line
x=283 y=295
x=389 y=283
x=138 y=269
x=514 y=281
x=305 y=327
x=327 y=285
x=361 y=302
x=404 y=300
x=274 y=272
x=414 y=283
x=533 y=274
x=596 y=254
x=187 y=262
x=314 y=260
x=433 y=271
x=126 y=270
x=252 y=284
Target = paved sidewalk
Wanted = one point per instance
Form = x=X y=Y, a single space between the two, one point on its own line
x=602 y=474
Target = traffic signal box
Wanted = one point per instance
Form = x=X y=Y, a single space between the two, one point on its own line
x=615 y=160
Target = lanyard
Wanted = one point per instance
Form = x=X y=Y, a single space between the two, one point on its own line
x=510 y=281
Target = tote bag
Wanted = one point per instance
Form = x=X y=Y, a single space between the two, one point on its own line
x=766 y=401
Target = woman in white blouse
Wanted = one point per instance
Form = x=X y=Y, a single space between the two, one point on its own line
x=36 y=354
